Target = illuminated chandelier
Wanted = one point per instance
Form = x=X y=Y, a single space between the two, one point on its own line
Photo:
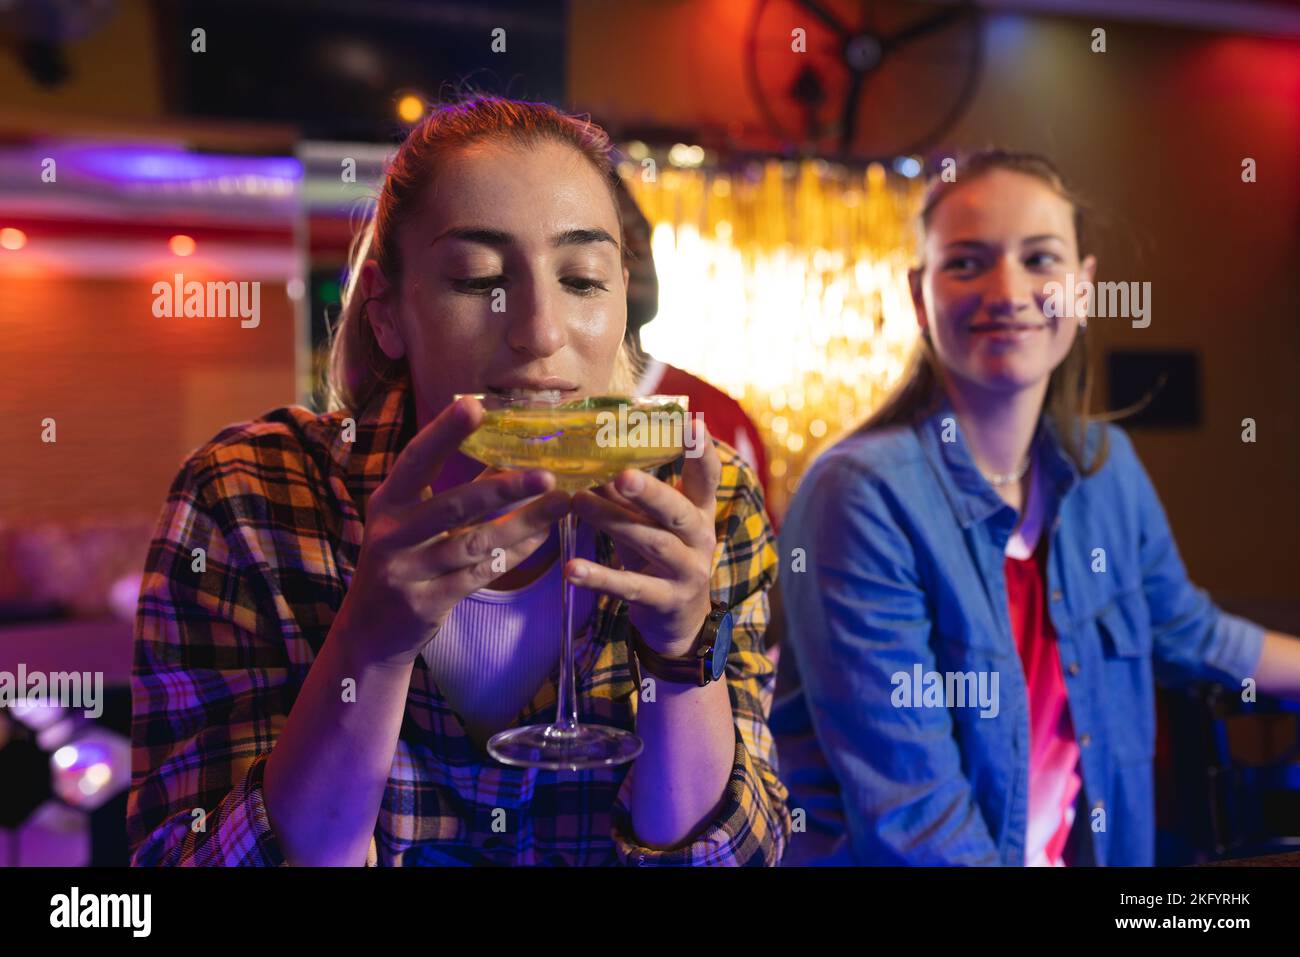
x=784 y=284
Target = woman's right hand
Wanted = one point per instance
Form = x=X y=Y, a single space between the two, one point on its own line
x=421 y=555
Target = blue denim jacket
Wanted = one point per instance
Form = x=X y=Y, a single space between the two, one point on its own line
x=892 y=557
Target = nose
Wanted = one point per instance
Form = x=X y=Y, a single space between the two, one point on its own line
x=536 y=323
x=1007 y=289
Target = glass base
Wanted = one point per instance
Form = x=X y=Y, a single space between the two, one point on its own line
x=555 y=749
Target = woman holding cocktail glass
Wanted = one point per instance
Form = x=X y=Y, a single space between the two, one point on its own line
x=374 y=607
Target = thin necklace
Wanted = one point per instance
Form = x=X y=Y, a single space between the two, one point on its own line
x=1009 y=478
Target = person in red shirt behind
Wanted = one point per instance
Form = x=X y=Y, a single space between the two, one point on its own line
x=723 y=415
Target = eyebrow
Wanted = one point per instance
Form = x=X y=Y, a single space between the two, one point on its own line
x=979 y=244
x=496 y=237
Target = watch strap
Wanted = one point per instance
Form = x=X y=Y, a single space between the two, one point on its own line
x=695 y=667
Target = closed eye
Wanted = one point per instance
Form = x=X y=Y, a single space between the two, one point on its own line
x=582 y=286
x=478 y=285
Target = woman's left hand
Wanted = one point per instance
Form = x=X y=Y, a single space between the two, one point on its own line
x=666 y=539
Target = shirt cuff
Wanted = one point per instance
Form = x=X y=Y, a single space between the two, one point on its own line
x=266 y=850
x=235 y=834
x=1238 y=644
x=243 y=836
x=745 y=830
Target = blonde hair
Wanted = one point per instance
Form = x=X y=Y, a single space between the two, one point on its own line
x=357 y=369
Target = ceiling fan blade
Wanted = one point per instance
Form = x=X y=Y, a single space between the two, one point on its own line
x=921 y=28
x=849 y=119
x=826 y=17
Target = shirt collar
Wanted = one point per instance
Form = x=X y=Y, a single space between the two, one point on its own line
x=971 y=496
x=364 y=452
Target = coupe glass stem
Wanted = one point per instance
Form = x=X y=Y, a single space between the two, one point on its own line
x=566 y=705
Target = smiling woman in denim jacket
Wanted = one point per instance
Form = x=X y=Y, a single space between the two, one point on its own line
x=979 y=582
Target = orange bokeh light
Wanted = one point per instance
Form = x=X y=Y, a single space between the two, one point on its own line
x=182 y=245
x=13 y=239
x=410 y=108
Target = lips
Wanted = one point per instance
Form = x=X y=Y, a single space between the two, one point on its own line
x=1006 y=327
x=550 y=387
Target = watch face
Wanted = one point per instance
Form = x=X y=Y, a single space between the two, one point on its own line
x=721 y=647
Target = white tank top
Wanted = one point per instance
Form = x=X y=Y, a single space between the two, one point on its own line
x=497 y=648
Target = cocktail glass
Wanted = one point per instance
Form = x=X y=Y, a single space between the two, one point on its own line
x=584 y=442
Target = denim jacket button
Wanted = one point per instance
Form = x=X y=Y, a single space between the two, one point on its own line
x=1056 y=594
x=1085 y=739
x=1074 y=668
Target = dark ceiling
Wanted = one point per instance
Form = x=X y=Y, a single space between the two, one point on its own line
x=333 y=68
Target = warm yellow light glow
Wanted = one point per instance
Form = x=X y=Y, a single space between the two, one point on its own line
x=688 y=156
x=410 y=108
x=12 y=239
x=786 y=286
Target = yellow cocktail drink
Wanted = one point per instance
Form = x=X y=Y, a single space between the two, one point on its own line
x=584 y=443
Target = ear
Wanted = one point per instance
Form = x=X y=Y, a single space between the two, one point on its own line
x=918 y=300
x=627 y=274
x=379 y=309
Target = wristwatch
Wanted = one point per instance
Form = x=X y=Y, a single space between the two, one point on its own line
x=706 y=662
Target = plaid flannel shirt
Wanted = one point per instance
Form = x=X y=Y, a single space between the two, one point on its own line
x=278 y=504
